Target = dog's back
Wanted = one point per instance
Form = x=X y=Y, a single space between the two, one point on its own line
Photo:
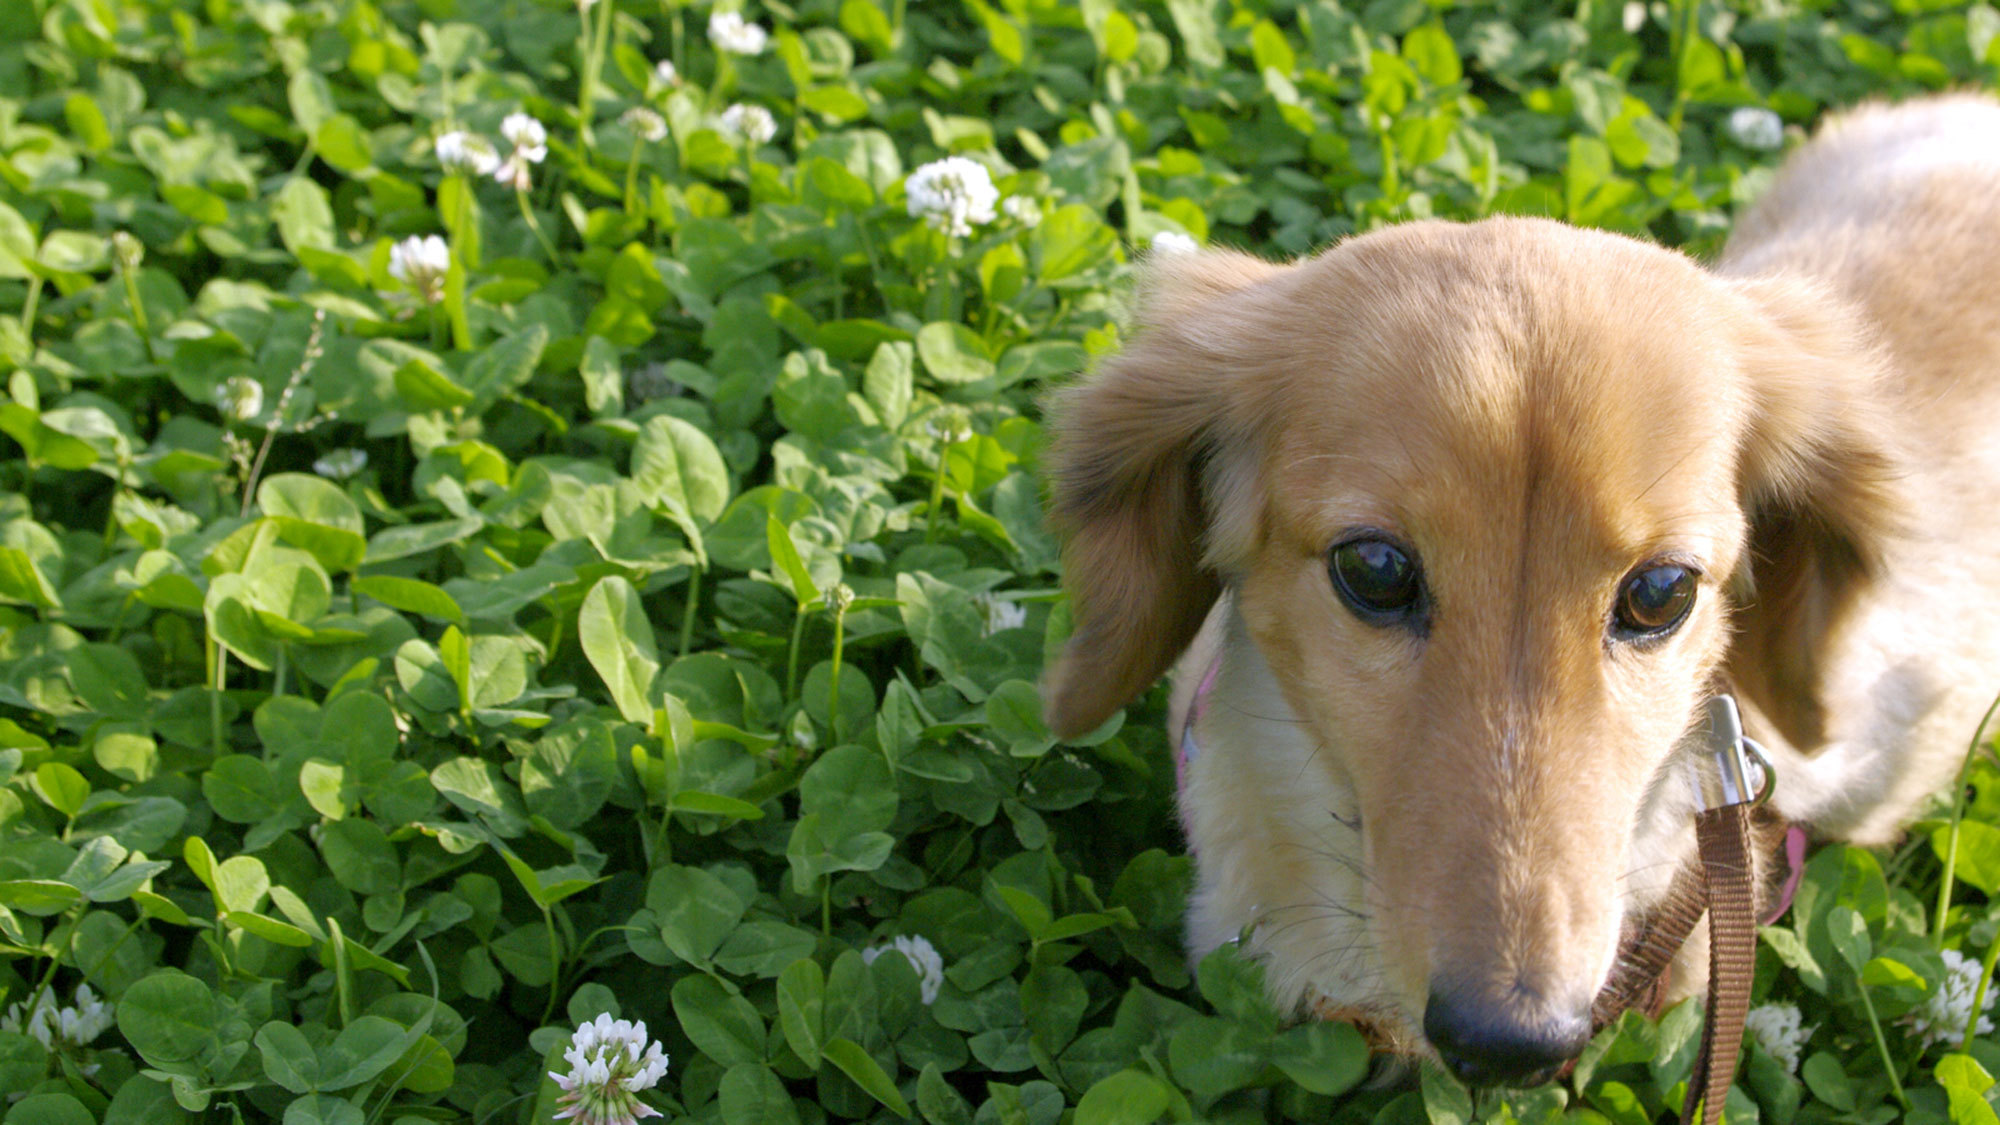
x=1895 y=210
x=1897 y=207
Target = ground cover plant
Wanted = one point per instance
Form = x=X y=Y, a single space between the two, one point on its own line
x=522 y=515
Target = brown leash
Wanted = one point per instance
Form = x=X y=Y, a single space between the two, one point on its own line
x=1723 y=835
x=1722 y=885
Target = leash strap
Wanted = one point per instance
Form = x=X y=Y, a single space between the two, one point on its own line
x=1639 y=980
x=1721 y=883
x=1723 y=838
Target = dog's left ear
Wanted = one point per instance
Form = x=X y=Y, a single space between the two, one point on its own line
x=1821 y=479
x=1144 y=450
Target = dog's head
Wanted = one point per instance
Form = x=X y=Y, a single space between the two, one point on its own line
x=1483 y=496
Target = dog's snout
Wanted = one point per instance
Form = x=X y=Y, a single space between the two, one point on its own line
x=1488 y=1042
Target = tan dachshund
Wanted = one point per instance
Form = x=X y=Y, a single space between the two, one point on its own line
x=1450 y=529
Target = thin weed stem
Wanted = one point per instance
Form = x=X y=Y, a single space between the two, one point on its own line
x=1957 y=818
x=306 y=361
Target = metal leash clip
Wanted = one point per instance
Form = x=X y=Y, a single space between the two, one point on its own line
x=1729 y=769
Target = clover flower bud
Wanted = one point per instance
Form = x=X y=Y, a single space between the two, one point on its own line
x=240 y=398
x=1756 y=127
x=949 y=424
x=610 y=1062
x=340 y=464
x=645 y=124
x=953 y=195
x=753 y=123
x=128 y=250
x=1948 y=1006
x=460 y=151
x=50 y=1025
x=1776 y=1028
x=1022 y=210
x=1001 y=613
x=837 y=598
x=730 y=33
x=530 y=141
x=922 y=956
x=664 y=71
x=1169 y=242
x=650 y=381
x=421 y=264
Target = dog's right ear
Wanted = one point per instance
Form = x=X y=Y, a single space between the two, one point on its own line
x=1140 y=447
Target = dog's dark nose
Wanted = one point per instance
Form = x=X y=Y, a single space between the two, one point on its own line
x=1486 y=1043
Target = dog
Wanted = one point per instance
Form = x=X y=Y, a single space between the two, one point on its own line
x=1452 y=530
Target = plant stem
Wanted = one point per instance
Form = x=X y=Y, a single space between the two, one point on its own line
x=590 y=45
x=34 y=298
x=868 y=248
x=535 y=225
x=833 y=675
x=1687 y=21
x=687 y=615
x=792 y=658
x=632 y=176
x=1979 y=995
x=306 y=360
x=138 y=310
x=555 y=964
x=1957 y=817
x=1882 y=1045
x=218 y=660
x=937 y=491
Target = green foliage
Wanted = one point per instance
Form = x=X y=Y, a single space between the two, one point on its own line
x=638 y=610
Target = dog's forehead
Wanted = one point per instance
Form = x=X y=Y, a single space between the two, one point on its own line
x=1527 y=371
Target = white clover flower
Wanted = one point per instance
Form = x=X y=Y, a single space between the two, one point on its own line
x=1634 y=16
x=531 y=146
x=729 y=32
x=127 y=249
x=1172 y=242
x=340 y=464
x=952 y=194
x=753 y=123
x=650 y=381
x=665 y=72
x=460 y=151
x=526 y=135
x=1756 y=127
x=1948 y=1007
x=1001 y=613
x=646 y=124
x=421 y=264
x=922 y=956
x=610 y=1061
x=949 y=424
x=240 y=398
x=75 y=1025
x=1775 y=1027
x=584 y=6
x=1022 y=209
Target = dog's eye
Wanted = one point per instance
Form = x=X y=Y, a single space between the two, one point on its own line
x=1655 y=600
x=1378 y=580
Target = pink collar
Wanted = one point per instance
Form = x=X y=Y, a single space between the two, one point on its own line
x=1188 y=749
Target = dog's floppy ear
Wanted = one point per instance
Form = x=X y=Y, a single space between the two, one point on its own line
x=1821 y=477
x=1136 y=446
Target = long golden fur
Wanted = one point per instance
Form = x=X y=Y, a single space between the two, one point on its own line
x=1472 y=809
